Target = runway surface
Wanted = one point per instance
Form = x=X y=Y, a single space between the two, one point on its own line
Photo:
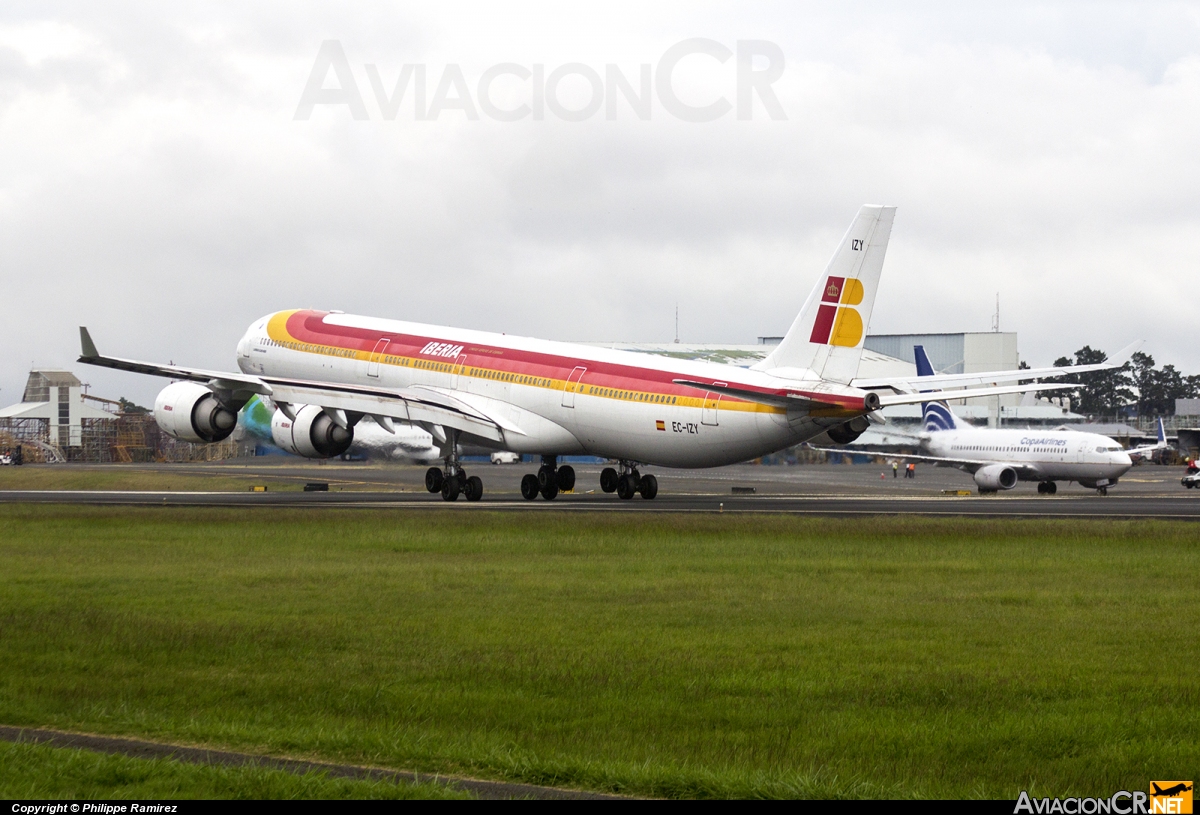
x=1148 y=491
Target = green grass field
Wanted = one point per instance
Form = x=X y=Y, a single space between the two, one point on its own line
x=181 y=477
x=29 y=771
x=688 y=655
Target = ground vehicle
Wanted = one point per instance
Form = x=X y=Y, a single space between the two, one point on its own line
x=1191 y=480
x=506 y=457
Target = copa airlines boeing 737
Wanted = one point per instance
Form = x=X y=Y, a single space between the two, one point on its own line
x=999 y=458
x=325 y=371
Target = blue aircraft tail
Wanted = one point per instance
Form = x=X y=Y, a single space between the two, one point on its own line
x=934 y=415
x=1162 y=432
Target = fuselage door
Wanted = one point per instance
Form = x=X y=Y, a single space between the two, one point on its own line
x=572 y=385
x=460 y=364
x=708 y=414
x=376 y=356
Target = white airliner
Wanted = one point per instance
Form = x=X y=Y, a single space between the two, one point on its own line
x=999 y=458
x=325 y=371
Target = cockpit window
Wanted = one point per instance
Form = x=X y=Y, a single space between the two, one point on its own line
x=1115 y=449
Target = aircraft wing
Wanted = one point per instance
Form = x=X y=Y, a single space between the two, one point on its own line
x=868 y=401
x=417 y=405
x=968 y=464
x=965 y=393
x=915 y=383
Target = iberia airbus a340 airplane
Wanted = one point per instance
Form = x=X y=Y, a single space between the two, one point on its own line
x=325 y=371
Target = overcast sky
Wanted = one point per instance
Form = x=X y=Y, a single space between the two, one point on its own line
x=157 y=186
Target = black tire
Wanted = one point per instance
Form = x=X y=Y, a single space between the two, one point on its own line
x=648 y=487
x=1041 y=488
x=545 y=477
x=450 y=489
x=565 y=478
x=1104 y=490
x=434 y=479
x=550 y=491
x=626 y=487
x=608 y=479
x=1051 y=488
x=474 y=488
x=529 y=487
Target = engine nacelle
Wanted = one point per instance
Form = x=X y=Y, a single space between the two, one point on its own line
x=313 y=434
x=843 y=433
x=191 y=412
x=849 y=431
x=995 y=477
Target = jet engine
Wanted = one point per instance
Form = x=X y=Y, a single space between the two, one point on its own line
x=848 y=431
x=191 y=412
x=313 y=434
x=995 y=477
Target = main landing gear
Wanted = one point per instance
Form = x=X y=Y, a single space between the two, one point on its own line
x=628 y=482
x=549 y=481
x=453 y=481
x=1047 y=488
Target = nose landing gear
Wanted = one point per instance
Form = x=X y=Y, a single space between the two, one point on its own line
x=1047 y=488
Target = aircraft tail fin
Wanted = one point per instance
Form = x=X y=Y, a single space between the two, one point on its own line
x=827 y=335
x=1162 y=433
x=935 y=416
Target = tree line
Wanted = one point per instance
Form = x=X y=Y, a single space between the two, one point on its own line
x=1136 y=386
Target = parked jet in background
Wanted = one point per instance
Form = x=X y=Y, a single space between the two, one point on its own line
x=999 y=458
x=327 y=371
x=405 y=443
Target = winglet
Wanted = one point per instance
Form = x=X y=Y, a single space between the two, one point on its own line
x=1123 y=356
x=88 y=348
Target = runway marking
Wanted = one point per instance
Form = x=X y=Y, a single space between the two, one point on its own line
x=138 y=748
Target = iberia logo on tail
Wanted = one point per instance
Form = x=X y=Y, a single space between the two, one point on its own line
x=837 y=323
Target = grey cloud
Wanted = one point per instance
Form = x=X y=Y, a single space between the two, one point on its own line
x=155 y=187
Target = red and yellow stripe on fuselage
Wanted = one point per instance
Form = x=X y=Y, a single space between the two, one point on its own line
x=306 y=331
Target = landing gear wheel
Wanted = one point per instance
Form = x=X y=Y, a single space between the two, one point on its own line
x=434 y=479
x=1051 y=488
x=626 y=487
x=648 y=487
x=450 y=489
x=550 y=491
x=565 y=479
x=529 y=487
x=545 y=477
x=474 y=490
x=608 y=479
x=1104 y=490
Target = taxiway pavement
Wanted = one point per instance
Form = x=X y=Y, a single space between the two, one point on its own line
x=1148 y=491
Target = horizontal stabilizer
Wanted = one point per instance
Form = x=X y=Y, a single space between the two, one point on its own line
x=967 y=393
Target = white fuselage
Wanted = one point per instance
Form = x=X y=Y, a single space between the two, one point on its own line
x=554 y=398
x=1056 y=455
